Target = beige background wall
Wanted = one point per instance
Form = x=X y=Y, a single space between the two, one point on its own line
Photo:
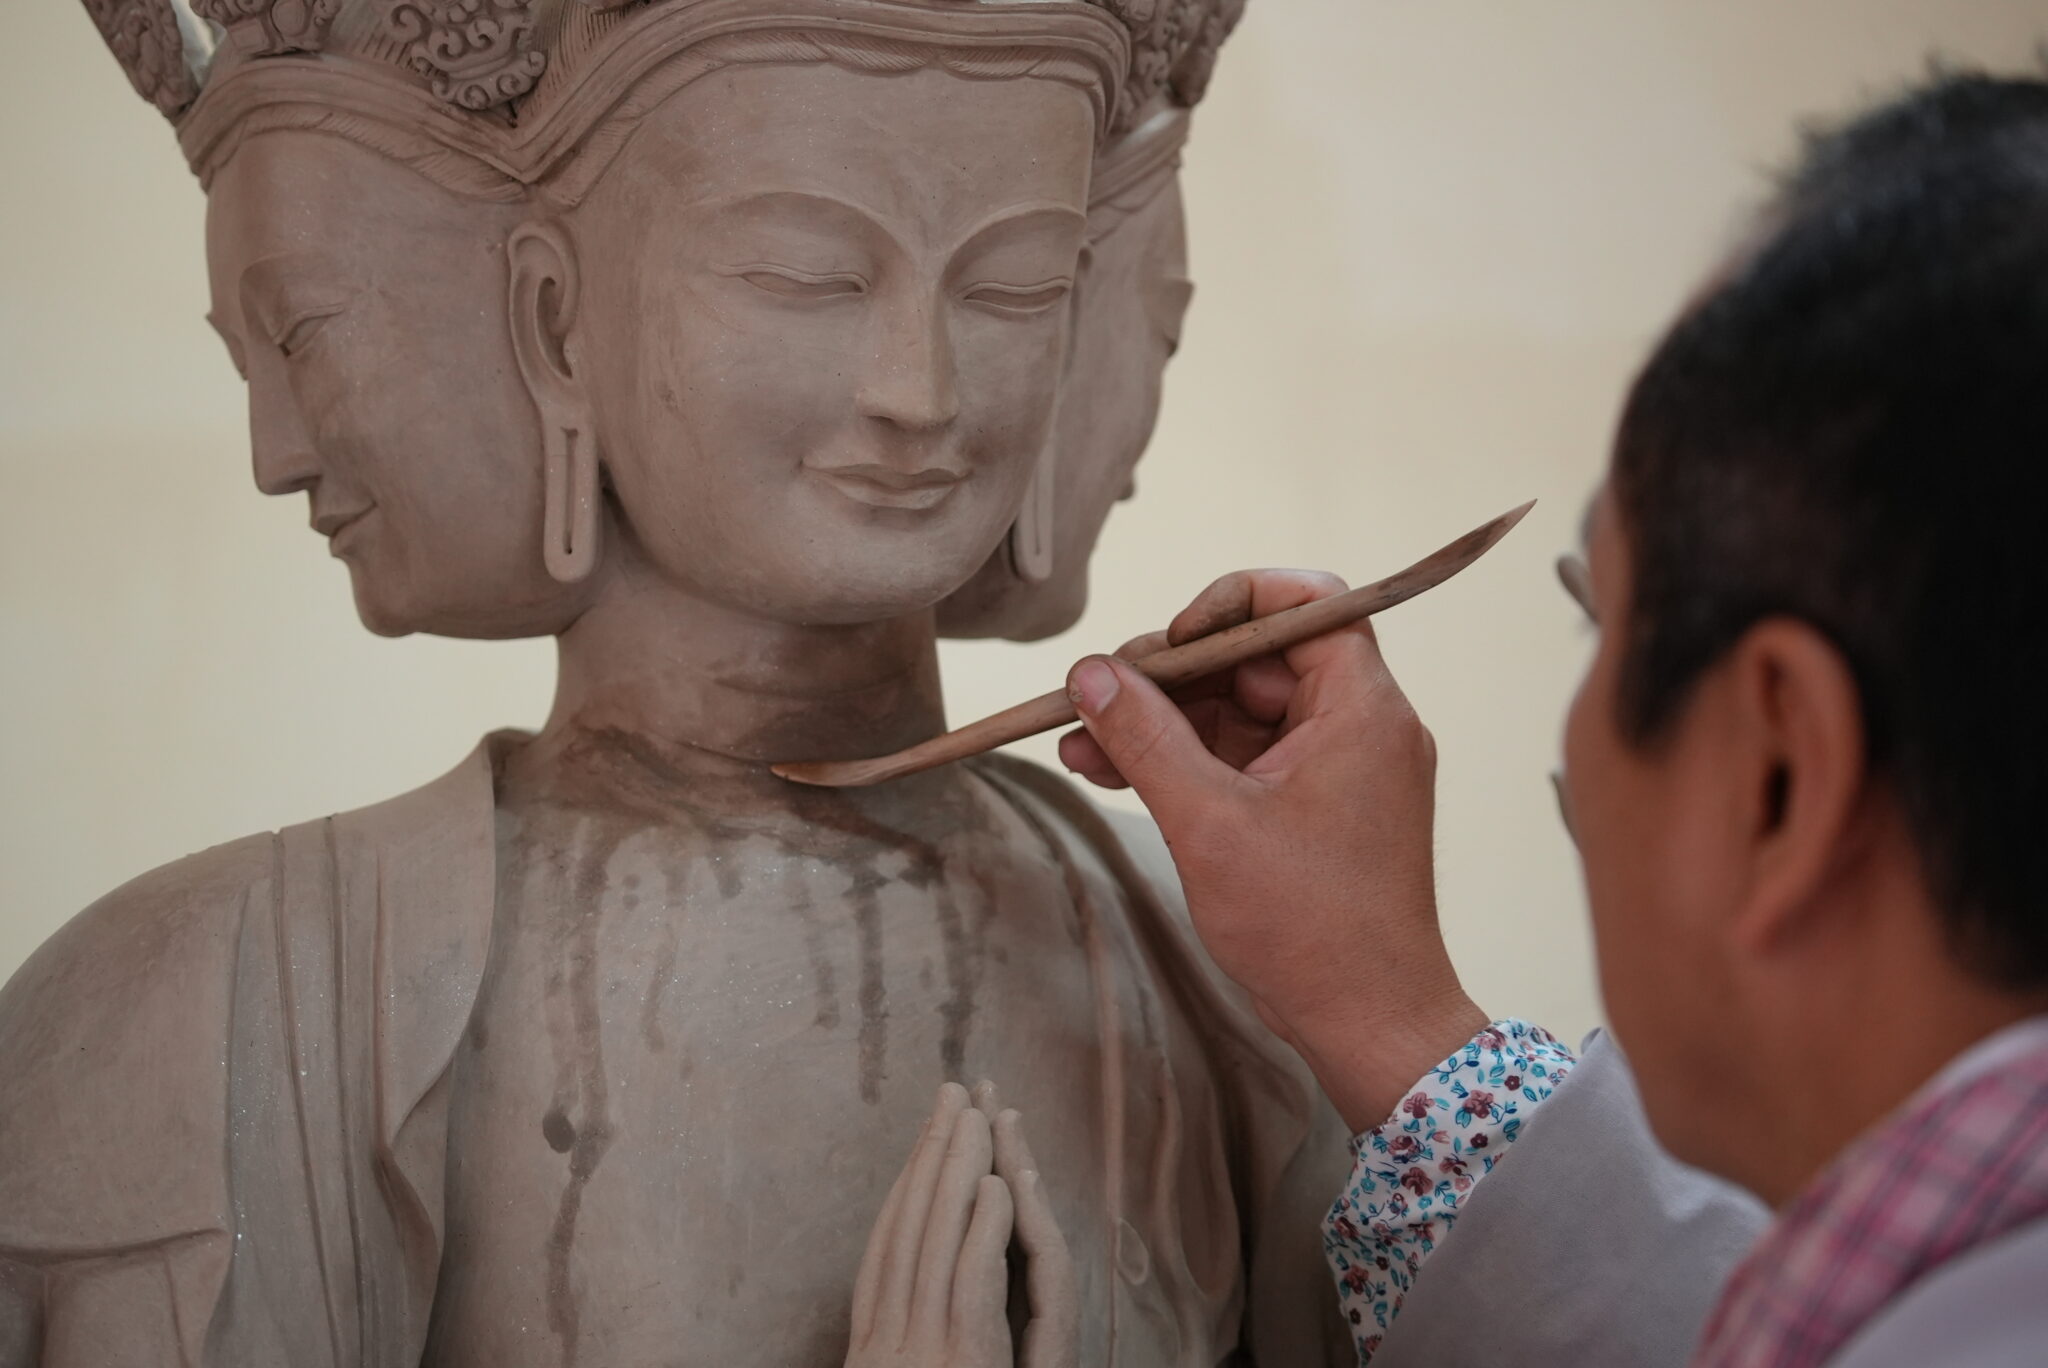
x=1430 y=239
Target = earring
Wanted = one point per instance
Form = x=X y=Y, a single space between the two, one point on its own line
x=1031 y=548
x=569 y=504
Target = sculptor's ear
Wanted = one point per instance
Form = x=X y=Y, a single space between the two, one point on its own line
x=1799 y=770
x=544 y=297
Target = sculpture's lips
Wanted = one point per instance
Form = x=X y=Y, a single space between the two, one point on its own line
x=332 y=525
x=882 y=486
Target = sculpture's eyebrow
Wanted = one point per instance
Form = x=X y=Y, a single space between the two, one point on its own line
x=1019 y=217
x=801 y=208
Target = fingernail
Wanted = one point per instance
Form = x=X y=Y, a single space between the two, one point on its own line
x=1092 y=686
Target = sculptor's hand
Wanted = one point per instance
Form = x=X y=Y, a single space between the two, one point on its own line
x=1297 y=793
x=934 y=1283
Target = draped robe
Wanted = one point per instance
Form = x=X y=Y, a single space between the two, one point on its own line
x=224 y=1102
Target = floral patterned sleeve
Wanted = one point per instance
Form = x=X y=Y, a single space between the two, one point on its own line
x=1413 y=1171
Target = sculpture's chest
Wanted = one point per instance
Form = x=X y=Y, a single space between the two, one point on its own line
x=700 y=1058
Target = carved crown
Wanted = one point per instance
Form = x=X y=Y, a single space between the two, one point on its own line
x=487 y=56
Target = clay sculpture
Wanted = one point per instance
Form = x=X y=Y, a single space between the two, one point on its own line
x=727 y=341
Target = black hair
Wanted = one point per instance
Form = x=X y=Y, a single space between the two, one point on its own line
x=1851 y=429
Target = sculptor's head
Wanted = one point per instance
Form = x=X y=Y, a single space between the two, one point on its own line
x=1806 y=768
x=365 y=306
x=811 y=322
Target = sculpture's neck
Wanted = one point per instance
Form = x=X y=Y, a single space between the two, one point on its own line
x=672 y=671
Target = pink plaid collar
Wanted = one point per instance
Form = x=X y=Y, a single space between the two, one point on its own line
x=1961 y=1164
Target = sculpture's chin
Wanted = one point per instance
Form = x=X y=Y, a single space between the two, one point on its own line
x=379 y=612
x=854 y=611
x=857 y=581
x=388 y=625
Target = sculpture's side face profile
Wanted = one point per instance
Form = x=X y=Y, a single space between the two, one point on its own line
x=819 y=318
x=1128 y=307
x=365 y=307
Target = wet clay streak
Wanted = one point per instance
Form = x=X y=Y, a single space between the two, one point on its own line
x=873 y=999
x=579 y=1064
x=926 y=870
x=824 y=979
x=650 y=1005
x=963 y=976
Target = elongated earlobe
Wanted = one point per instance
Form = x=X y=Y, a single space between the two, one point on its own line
x=544 y=296
x=1032 y=557
x=1031 y=536
x=571 y=526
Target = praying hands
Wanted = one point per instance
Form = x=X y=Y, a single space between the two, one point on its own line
x=933 y=1287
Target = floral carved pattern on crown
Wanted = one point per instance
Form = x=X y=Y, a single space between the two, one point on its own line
x=478 y=53
x=270 y=28
x=144 y=37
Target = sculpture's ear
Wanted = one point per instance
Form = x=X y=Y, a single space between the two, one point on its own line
x=544 y=296
x=1032 y=536
x=545 y=286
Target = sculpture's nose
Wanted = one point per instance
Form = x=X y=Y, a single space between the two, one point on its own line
x=278 y=441
x=910 y=379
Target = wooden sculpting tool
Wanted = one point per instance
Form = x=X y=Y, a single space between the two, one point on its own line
x=1173 y=667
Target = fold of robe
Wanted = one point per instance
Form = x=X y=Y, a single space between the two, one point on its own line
x=224 y=1100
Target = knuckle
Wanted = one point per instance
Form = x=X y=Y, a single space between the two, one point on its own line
x=1320 y=583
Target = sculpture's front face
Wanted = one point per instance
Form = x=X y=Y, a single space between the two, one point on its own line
x=365 y=306
x=821 y=327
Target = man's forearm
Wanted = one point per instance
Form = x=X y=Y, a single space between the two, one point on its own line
x=1414 y=1171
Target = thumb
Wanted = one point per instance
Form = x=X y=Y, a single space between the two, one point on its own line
x=1146 y=736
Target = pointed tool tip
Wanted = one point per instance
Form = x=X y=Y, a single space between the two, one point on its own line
x=833 y=773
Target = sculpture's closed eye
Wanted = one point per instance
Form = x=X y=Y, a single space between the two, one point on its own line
x=1021 y=300
x=299 y=331
x=793 y=284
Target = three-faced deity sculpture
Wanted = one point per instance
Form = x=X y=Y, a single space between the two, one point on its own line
x=743 y=346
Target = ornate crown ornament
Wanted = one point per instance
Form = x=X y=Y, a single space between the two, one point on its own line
x=269 y=28
x=1174 y=45
x=489 y=57
x=162 y=46
x=477 y=53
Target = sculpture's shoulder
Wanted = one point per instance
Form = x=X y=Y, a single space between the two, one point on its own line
x=113 y=1039
x=116 y=1035
x=1128 y=840
x=106 y=954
